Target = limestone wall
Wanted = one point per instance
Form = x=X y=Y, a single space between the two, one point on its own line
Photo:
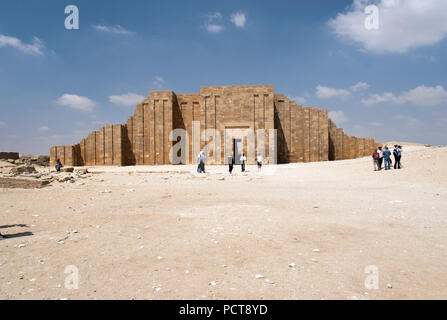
x=304 y=134
x=232 y=111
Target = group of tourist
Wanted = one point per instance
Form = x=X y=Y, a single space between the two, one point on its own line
x=379 y=156
x=383 y=157
x=231 y=162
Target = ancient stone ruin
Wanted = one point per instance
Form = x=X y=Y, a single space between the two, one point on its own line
x=242 y=119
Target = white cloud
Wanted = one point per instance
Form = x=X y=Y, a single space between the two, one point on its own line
x=326 y=92
x=2 y=124
x=338 y=117
x=76 y=102
x=407 y=120
x=101 y=123
x=360 y=86
x=379 y=98
x=425 y=96
x=299 y=100
x=421 y=96
x=403 y=25
x=212 y=25
x=117 y=29
x=158 y=83
x=214 y=28
x=238 y=19
x=43 y=129
x=376 y=124
x=128 y=99
x=36 y=47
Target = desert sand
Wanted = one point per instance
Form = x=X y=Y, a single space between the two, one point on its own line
x=296 y=231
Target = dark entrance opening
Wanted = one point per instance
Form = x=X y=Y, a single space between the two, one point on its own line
x=237 y=150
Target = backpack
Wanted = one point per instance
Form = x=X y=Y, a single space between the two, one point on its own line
x=375 y=155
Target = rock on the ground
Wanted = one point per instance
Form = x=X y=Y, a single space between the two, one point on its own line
x=81 y=171
x=41 y=160
x=9 y=155
x=22 y=169
x=23 y=183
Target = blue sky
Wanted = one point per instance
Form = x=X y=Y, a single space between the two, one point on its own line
x=56 y=85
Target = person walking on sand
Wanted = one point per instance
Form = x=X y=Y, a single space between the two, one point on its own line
x=259 y=162
x=243 y=159
x=375 y=157
x=380 y=152
x=397 y=153
x=230 y=163
x=387 y=157
x=201 y=162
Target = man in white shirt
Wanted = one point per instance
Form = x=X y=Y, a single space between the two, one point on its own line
x=380 y=152
x=243 y=159
x=259 y=161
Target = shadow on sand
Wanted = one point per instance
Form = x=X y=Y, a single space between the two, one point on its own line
x=17 y=235
x=14 y=225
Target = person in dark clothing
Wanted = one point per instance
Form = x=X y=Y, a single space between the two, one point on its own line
x=397 y=153
x=387 y=157
x=201 y=162
x=58 y=165
x=230 y=163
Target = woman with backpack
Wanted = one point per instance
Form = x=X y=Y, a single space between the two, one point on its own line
x=375 y=157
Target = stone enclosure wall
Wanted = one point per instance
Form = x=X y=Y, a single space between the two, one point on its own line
x=249 y=113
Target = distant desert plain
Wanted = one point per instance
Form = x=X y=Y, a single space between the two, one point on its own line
x=324 y=230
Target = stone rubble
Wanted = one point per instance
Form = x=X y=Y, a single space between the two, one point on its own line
x=27 y=173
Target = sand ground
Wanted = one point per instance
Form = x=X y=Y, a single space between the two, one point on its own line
x=167 y=233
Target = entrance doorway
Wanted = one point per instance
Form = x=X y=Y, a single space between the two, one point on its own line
x=237 y=150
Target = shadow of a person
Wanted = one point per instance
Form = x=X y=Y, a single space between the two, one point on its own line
x=14 y=225
x=17 y=235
